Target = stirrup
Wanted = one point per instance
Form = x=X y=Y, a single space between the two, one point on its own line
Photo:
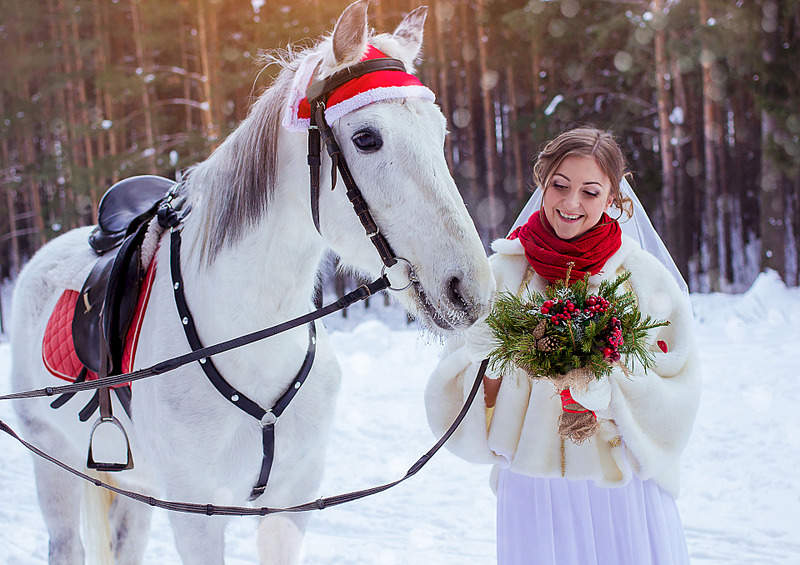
x=108 y=467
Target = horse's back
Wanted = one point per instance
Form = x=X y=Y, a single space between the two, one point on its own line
x=61 y=264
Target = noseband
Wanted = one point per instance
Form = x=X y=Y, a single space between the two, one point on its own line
x=318 y=92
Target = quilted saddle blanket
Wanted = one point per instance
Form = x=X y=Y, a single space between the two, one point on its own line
x=58 y=349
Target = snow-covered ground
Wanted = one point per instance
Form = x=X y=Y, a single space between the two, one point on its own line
x=740 y=501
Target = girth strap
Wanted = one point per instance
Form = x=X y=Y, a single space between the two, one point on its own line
x=267 y=418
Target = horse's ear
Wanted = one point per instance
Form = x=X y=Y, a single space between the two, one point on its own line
x=350 y=33
x=409 y=32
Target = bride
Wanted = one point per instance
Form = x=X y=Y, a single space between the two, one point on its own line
x=611 y=499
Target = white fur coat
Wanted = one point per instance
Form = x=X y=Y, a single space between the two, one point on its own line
x=645 y=418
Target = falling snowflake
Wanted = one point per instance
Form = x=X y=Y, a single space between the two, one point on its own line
x=553 y=104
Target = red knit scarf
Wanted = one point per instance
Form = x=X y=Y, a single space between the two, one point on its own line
x=549 y=255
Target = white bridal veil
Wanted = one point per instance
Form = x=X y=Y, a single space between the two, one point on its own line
x=637 y=227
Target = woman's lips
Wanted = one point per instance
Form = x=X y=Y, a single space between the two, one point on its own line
x=567 y=218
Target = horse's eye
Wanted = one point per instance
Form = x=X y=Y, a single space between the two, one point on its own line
x=367 y=140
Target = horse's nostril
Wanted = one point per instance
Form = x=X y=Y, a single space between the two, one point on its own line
x=454 y=294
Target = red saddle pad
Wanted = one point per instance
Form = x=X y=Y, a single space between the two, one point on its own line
x=58 y=350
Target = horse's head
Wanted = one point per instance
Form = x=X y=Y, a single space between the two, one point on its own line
x=394 y=149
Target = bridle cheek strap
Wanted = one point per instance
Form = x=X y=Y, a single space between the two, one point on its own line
x=314 y=163
x=319 y=130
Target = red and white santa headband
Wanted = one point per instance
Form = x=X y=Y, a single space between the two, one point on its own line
x=377 y=86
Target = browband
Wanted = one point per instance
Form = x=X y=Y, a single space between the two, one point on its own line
x=322 y=88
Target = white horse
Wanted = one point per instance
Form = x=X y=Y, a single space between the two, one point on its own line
x=250 y=259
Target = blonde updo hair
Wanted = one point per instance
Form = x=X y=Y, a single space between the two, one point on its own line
x=586 y=142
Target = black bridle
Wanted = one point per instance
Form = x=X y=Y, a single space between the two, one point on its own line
x=317 y=94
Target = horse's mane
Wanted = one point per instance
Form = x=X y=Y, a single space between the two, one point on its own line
x=234 y=185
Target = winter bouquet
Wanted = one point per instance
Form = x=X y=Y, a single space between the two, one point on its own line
x=570 y=337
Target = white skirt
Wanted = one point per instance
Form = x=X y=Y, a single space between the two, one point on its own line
x=564 y=522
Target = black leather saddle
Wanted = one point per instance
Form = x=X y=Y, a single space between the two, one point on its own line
x=107 y=301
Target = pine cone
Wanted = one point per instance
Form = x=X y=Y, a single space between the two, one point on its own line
x=538 y=331
x=547 y=344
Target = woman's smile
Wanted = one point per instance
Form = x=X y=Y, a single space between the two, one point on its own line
x=569 y=217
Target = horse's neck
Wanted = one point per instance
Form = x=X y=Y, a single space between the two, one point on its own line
x=266 y=277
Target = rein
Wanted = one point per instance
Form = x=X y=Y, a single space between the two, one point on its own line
x=362 y=292
x=319 y=504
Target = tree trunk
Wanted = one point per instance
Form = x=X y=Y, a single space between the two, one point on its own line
x=669 y=203
x=12 y=227
x=739 y=188
x=58 y=123
x=187 y=85
x=379 y=15
x=444 y=63
x=490 y=141
x=108 y=104
x=468 y=165
x=771 y=197
x=318 y=23
x=791 y=234
x=12 y=215
x=724 y=207
x=141 y=63
x=681 y=250
x=709 y=273
x=26 y=143
x=209 y=127
x=536 y=69
x=532 y=135
x=99 y=66
x=73 y=148
x=84 y=112
x=217 y=95
x=771 y=200
x=513 y=134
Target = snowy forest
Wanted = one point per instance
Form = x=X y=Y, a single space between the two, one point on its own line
x=704 y=96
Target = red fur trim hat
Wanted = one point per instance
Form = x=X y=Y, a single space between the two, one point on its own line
x=357 y=93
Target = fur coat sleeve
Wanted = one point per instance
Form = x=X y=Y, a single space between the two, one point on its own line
x=655 y=410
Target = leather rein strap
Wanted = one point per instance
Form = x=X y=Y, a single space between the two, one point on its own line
x=267 y=418
x=319 y=504
x=317 y=94
x=362 y=292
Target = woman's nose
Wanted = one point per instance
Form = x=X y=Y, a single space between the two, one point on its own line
x=572 y=199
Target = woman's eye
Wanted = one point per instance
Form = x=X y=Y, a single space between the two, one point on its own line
x=592 y=194
x=559 y=186
x=367 y=140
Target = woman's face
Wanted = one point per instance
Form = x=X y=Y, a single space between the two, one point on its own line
x=576 y=197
